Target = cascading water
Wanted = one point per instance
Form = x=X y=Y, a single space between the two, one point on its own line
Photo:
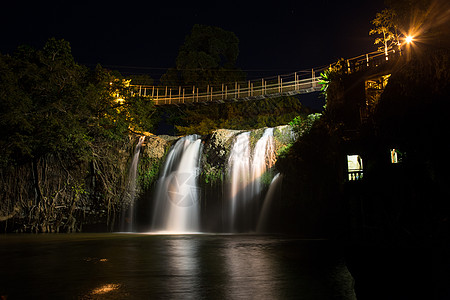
x=246 y=178
x=274 y=189
x=128 y=218
x=263 y=158
x=177 y=193
x=239 y=171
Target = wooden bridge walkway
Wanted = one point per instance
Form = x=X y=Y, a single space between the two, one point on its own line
x=301 y=82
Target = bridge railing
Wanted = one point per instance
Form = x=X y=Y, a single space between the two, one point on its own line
x=290 y=84
x=369 y=60
x=281 y=85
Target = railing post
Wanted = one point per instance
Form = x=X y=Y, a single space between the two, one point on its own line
x=367 y=59
x=153 y=91
x=262 y=86
x=222 y=91
x=145 y=92
x=226 y=92
x=248 y=89
x=278 y=83
x=140 y=87
x=193 y=93
x=165 y=96
x=295 y=81
x=252 y=89
x=197 y=94
x=235 y=89
x=179 y=93
x=170 y=97
x=313 y=78
x=348 y=66
x=183 y=95
x=211 y=94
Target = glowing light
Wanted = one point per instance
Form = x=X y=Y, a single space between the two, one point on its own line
x=104 y=289
x=409 y=39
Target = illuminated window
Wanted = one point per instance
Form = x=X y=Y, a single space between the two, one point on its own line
x=354 y=167
x=396 y=156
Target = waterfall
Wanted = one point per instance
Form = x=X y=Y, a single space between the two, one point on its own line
x=263 y=158
x=246 y=178
x=268 y=200
x=239 y=171
x=177 y=193
x=128 y=217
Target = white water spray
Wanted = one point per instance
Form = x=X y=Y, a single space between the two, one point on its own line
x=128 y=219
x=268 y=201
x=177 y=193
x=263 y=158
x=239 y=169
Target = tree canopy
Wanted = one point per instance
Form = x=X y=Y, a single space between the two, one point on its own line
x=208 y=56
x=49 y=104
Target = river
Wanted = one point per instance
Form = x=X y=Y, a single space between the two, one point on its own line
x=146 y=266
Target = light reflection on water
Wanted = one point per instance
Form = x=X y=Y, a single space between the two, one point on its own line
x=132 y=266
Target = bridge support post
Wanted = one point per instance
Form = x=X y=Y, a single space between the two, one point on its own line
x=262 y=86
x=295 y=81
x=279 y=84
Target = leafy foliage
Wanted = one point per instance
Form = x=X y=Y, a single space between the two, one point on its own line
x=301 y=125
x=208 y=56
x=238 y=115
x=50 y=104
x=387 y=30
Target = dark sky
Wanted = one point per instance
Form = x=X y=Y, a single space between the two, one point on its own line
x=276 y=37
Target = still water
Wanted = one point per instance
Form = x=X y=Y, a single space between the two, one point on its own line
x=140 y=266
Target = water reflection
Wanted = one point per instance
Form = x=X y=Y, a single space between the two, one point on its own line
x=251 y=271
x=171 y=267
x=183 y=266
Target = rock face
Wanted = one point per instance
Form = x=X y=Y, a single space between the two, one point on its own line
x=55 y=193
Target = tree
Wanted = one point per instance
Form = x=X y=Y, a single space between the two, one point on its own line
x=50 y=104
x=143 y=79
x=387 y=30
x=208 y=56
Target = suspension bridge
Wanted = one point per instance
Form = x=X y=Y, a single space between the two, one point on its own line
x=300 y=82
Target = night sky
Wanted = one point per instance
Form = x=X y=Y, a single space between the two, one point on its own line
x=276 y=37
